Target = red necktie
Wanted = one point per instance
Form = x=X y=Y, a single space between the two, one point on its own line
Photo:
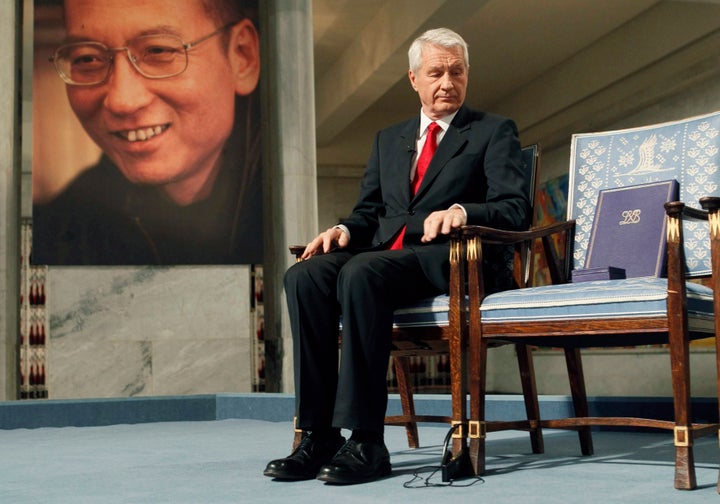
x=422 y=165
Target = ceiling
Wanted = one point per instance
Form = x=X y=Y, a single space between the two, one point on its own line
x=555 y=66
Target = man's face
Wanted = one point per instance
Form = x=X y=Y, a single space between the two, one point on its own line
x=184 y=119
x=441 y=80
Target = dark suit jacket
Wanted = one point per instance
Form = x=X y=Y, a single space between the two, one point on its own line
x=477 y=164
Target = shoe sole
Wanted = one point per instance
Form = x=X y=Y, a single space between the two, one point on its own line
x=287 y=476
x=384 y=472
x=294 y=476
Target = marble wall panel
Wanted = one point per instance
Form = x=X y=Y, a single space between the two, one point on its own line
x=120 y=332
x=201 y=367
x=99 y=369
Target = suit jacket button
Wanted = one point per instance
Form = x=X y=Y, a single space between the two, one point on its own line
x=412 y=212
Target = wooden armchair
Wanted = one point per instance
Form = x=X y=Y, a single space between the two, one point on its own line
x=652 y=310
x=439 y=325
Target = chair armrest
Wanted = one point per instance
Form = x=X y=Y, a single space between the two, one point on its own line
x=490 y=235
x=711 y=204
x=297 y=251
x=687 y=212
x=558 y=267
x=499 y=236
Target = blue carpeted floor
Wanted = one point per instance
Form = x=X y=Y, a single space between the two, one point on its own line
x=221 y=461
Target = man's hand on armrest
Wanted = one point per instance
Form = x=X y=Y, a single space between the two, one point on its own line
x=335 y=237
x=442 y=222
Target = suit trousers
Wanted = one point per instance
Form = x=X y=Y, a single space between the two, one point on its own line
x=364 y=288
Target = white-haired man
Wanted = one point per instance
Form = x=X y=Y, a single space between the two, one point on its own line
x=445 y=168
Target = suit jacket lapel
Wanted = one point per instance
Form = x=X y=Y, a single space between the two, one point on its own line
x=454 y=139
x=406 y=149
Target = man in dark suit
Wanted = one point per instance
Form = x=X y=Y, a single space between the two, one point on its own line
x=393 y=249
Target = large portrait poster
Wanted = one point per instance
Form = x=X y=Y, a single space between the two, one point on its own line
x=146 y=132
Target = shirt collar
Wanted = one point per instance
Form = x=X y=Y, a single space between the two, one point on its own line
x=443 y=122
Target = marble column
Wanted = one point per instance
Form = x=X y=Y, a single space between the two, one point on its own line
x=9 y=194
x=290 y=165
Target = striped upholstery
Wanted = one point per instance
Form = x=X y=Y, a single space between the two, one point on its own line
x=629 y=298
x=429 y=312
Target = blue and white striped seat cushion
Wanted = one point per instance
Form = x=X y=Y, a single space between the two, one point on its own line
x=428 y=312
x=632 y=297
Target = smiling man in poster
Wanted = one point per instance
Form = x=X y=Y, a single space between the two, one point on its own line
x=168 y=91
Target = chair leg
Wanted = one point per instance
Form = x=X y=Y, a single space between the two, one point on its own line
x=298 y=434
x=579 y=396
x=683 y=434
x=402 y=373
x=684 y=464
x=477 y=369
x=529 y=387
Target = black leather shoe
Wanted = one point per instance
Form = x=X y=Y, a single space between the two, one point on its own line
x=306 y=460
x=357 y=462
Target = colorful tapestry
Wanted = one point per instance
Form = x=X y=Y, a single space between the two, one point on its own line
x=551 y=206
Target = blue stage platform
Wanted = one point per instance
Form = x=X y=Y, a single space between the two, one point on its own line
x=212 y=449
x=279 y=407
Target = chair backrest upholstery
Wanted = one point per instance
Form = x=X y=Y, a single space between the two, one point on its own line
x=531 y=163
x=503 y=267
x=686 y=150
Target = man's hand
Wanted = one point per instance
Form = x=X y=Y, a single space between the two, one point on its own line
x=442 y=222
x=325 y=242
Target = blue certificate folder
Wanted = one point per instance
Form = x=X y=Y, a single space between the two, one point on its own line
x=629 y=229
